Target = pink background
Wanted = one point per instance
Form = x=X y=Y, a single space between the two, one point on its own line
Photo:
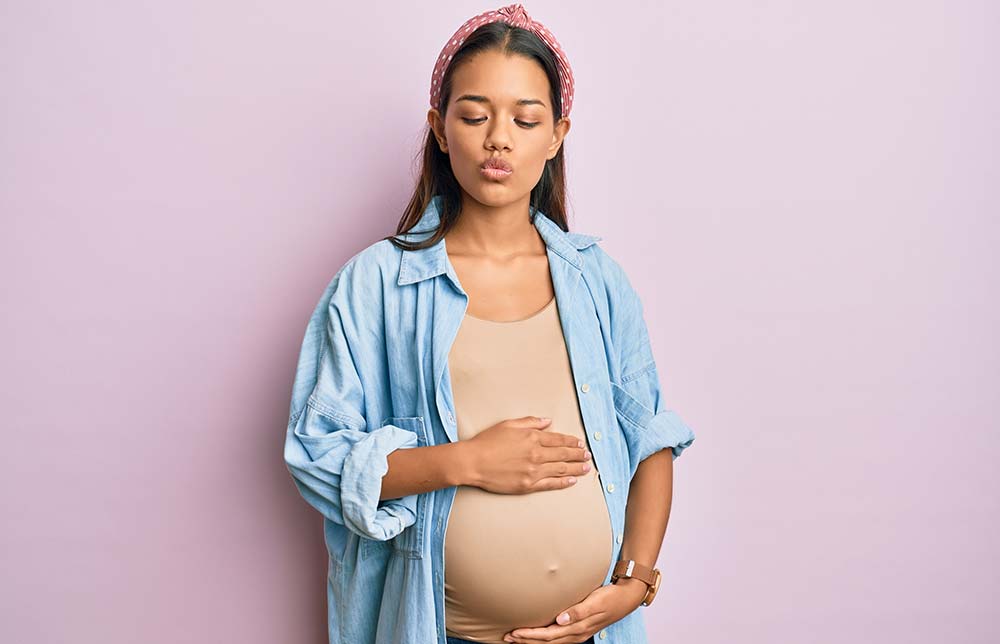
x=804 y=193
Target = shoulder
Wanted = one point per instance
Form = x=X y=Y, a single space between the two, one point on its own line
x=363 y=279
x=620 y=307
x=595 y=257
x=609 y=270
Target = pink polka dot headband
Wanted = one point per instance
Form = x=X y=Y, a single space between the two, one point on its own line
x=512 y=14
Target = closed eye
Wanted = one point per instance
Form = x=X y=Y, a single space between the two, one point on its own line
x=524 y=124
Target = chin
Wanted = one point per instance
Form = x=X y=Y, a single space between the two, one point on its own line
x=496 y=196
x=494 y=193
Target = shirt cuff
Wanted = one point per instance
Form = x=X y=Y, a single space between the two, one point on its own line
x=361 y=486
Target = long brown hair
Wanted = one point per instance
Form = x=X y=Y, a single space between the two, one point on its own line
x=436 y=176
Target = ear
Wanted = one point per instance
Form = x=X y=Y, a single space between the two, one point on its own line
x=437 y=125
x=558 y=134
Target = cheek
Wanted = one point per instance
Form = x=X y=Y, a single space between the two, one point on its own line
x=465 y=148
x=536 y=146
x=535 y=155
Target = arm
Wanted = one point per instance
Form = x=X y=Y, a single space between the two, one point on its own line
x=646 y=514
x=655 y=435
x=414 y=471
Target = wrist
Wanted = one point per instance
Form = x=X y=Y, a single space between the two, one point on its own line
x=635 y=588
x=463 y=469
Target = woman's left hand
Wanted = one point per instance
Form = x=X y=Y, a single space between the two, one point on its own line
x=603 y=607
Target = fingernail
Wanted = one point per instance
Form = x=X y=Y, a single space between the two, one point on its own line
x=563 y=618
x=572 y=479
x=586 y=467
x=579 y=443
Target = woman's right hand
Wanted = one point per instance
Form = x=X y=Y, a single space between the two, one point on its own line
x=518 y=456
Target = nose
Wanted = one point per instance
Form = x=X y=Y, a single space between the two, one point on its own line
x=498 y=135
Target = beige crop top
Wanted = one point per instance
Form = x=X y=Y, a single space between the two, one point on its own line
x=517 y=560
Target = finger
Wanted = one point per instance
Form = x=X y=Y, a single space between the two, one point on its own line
x=556 y=634
x=553 y=634
x=575 y=620
x=531 y=422
x=555 y=439
x=562 y=468
x=585 y=617
x=553 y=483
x=574 y=639
x=542 y=639
x=566 y=455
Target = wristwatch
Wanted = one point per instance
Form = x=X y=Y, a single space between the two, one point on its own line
x=631 y=569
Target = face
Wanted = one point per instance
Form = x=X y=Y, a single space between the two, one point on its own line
x=499 y=108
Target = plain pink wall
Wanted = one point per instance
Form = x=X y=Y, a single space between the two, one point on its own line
x=804 y=193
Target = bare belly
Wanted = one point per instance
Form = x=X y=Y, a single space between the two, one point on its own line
x=518 y=560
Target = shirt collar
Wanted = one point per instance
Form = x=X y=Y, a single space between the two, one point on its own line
x=416 y=265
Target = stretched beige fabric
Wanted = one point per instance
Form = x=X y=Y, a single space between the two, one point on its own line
x=518 y=560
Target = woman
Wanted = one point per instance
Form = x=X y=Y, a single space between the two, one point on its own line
x=476 y=397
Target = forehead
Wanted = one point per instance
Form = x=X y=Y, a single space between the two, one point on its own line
x=501 y=78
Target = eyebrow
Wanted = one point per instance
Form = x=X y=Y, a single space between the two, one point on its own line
x=477 y=98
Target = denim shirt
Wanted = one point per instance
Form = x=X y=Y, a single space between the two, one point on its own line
x=372 y=377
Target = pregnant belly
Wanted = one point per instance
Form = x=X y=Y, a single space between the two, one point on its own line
x=517 y=560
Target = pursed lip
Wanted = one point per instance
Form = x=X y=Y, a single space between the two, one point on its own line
x=497 y=163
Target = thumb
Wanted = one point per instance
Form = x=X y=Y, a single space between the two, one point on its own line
x=581 y=610
x=572 y=614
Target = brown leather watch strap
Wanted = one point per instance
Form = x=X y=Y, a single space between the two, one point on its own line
x=633 y=569
x=629 y=569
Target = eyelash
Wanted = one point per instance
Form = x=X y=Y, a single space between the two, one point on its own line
x=525 y=124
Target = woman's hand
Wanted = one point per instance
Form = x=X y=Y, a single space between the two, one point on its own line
x=518 y=456
x=603 y=607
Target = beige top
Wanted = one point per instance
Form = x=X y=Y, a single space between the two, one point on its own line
x=517 y=560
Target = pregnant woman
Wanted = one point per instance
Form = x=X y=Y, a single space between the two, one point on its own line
x=476 y=411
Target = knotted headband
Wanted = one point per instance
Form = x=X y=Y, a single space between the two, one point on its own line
x=512 y=14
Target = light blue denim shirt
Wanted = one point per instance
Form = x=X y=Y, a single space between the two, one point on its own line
x=373 y=377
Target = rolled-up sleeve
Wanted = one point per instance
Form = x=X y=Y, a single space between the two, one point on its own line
x=336 y=462
x=648 y=424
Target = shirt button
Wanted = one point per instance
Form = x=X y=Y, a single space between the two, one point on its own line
x=597 y=436
x=585 y=387
x=603 y=634
x=451 y=418
x=620 y=536
x=611 y=487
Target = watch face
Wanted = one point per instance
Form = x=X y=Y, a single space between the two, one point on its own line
x=651 y=591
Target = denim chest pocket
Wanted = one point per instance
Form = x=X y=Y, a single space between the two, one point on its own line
x=628 y=408
x=410 y=541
